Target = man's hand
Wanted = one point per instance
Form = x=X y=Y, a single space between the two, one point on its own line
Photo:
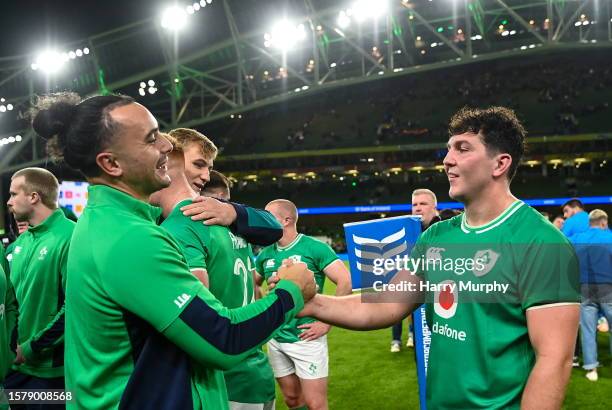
x=313 y=331
x=19 y=356
x=299 y=274
x=211 y=211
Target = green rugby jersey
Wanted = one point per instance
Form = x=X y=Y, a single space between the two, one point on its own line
x=317 y=256
x=38 y=275
x=227 y=259
x=8 y=317
x=138 y=322
x=480 y=355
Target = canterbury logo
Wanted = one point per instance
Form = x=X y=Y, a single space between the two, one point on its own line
x=368 y=249
x=434 y=253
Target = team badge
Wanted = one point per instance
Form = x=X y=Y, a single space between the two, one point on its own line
x=487 y=259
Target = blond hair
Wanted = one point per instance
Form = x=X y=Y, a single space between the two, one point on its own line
x=425 y=191
x=597 y=216
x=187 y=136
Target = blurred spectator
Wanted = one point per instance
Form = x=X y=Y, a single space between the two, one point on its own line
x=576 y=219
x=594 y=250
x=448 y=213
x=559 y=222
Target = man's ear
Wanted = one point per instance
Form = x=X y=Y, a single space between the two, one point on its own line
x=502 y=164
x=109 y=164
x=34 y=198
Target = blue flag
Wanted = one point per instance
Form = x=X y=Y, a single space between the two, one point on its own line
x=370 y=242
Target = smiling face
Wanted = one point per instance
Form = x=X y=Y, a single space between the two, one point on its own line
x=197 y=166
x=469 y=167
x=139 y=152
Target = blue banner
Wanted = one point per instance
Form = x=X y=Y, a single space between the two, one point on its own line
x=422 y=342
x=385 y=239
x=368 y=242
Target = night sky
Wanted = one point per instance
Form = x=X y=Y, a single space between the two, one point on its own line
x=25 y=25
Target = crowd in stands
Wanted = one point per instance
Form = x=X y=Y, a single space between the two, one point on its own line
x=554 y=94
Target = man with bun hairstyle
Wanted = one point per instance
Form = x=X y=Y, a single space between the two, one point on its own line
x=38 y=275
x=137 y=320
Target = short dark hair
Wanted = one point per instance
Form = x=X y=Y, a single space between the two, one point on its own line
x=500 y=130
x=218 y=181
x=573 y=203
x=41 y=181
x=77 y=130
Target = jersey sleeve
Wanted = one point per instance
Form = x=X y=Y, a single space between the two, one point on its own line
x=153 y=282
x=51 y=335
x=222 y=338
x=193 y=242
x=548 y=273
x=324 y=255
x=149 y=276
x=259 y=261
x=256 y=226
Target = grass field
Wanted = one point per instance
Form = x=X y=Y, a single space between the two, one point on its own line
x=365 y=375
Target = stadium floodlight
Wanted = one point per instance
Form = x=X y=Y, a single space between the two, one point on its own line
x=9 y=107
x=142 y=92
x=151 y=83
x=2 y=108
x=369 y=9
x=49 y=61
x=343 y=19
x=79 y=53
x=86 y=50
x=174 y=18
x=285 y=35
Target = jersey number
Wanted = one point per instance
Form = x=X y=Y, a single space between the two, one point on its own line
x=240 y=269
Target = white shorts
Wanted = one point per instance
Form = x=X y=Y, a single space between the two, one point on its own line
x=234 y=405
x=308 y=360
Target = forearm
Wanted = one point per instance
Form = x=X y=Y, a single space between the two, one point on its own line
x=221 y=338
x=368 y=310
x=351 y=312
x=256 y=226
x=343 y=287
x=547 y=383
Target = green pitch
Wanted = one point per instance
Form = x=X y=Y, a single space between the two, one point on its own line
x=365 y=375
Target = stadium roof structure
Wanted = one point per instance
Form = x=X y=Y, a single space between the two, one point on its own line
x=234 y=56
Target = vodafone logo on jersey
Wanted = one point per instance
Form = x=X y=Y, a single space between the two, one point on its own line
x=446 y=299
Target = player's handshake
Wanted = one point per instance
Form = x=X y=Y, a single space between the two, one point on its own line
x=299 y=274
